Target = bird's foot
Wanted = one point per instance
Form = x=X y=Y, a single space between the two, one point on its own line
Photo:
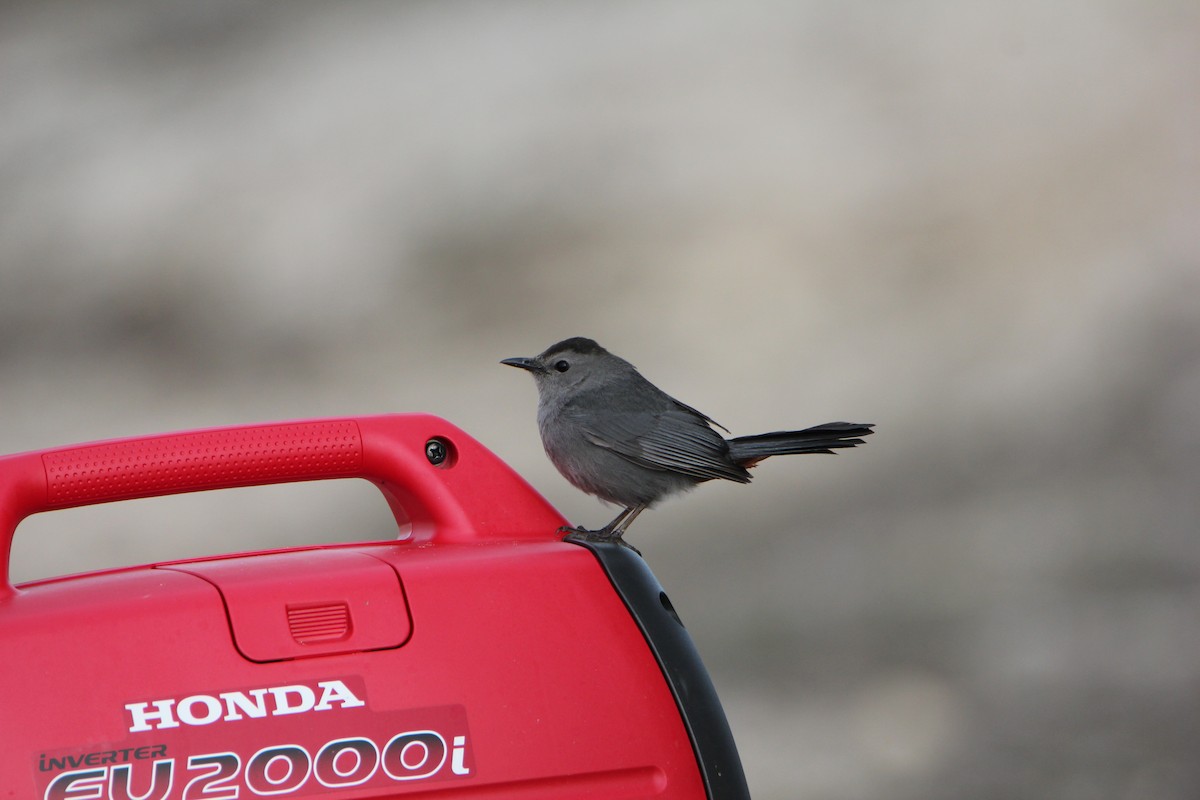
x=606 y=534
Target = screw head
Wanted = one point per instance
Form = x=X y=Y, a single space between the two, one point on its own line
x=436 y=452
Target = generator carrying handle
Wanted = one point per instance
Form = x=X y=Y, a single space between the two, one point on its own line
x=437 y=479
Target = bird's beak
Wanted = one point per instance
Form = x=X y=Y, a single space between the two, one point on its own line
x=531 y=364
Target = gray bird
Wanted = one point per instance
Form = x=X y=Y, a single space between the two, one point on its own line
x=615 y=435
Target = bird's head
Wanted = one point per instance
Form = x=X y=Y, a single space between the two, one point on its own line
x=570 y=365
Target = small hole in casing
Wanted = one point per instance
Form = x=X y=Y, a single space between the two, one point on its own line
x=670 y=609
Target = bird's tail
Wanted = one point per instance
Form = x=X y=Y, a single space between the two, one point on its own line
x=828 y=438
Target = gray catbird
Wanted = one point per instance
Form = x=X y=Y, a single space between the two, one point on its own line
x=617 y=436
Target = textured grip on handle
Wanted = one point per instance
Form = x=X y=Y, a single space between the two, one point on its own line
x=202 y=460
x=469 y=496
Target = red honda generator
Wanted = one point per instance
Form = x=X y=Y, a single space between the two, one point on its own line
x=478 y=655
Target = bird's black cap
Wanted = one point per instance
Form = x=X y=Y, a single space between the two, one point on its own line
x=576 y=344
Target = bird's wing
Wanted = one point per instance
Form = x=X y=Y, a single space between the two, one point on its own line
x=671 y=439
x=705 y=417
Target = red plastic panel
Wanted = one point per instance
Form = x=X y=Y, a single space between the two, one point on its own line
x=308 y=602
x=524 y=677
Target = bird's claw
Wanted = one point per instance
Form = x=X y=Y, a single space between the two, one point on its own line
x=598 y=535
x=607 y=535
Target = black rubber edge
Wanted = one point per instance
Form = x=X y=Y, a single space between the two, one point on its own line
x=695 y=695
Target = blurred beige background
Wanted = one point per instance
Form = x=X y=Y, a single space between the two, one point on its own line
x=977 y=225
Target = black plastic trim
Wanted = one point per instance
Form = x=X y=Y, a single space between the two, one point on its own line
x=695 y=695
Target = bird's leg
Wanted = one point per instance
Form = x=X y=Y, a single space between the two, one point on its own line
x=626 y=520
x=613 y=530
x=605 y=533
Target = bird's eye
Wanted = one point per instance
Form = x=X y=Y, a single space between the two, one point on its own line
x=561 y=366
